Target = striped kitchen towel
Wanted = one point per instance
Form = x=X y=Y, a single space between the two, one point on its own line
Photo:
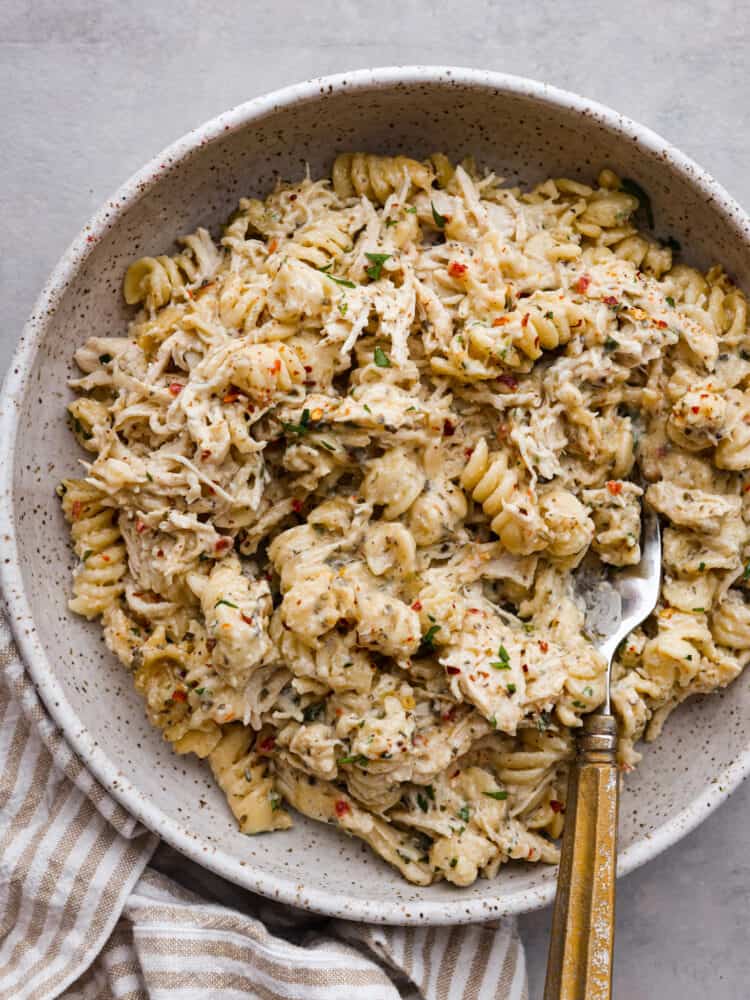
x=92 y=908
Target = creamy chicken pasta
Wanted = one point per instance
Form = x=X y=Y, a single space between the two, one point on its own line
x=344 y=463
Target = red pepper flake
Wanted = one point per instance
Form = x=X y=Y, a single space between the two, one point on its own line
x=456 y=270
x=246 y=619
x=176 y=388
x=275 y=367
x=583 y=283
x=695 y=409
x=416 y=606
x=508 y=381
x=474 y=611
x=222 y=544
x=267 y=744
x=544 y=646
x=468 y=452
x=342 y=807
x=206 y=454
x=661 y=324
x=140 y=527
x=273 y=246
x=501 y=321
x=614 y=487
x=210 y=645
x=452 y=670
x=555 y=806
x=525 y=667
x=525 y=320
x=231 y=397
x=308 y=368
x=450 y=715
x=449 y=429
x=76 y=509
x=160 y=553
x=610 y=300
x=179 y=695
x=296 y=506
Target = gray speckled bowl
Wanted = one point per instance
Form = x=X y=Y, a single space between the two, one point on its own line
x=525 y=131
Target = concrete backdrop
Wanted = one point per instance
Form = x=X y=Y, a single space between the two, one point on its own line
x=93 y=90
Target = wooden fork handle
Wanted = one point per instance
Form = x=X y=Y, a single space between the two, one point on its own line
x=579 y=966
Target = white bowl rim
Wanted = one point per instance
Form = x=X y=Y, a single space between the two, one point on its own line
x=430 y=912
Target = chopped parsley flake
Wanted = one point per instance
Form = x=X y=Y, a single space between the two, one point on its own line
x=440 y=220
x=511 y=688
x=302 y=427
x=377 y=260
x=422 y=802
x=381 y=358
x=428 y=639
x=463 y=814
x=223 y=601
x=356 y=758
x=499 y=795
x=339 y=281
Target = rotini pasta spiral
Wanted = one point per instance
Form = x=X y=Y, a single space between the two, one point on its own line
x=378 y=177
x=98 y=581
x=156 y=280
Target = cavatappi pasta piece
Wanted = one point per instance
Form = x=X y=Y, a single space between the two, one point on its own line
x=243 y=774
x=342 y=464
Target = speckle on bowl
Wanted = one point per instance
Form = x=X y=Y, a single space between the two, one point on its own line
x=523 y=130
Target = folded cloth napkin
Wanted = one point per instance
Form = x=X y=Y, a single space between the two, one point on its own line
x=92 y=907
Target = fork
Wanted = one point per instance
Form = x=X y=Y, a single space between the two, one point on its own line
x=579 y=965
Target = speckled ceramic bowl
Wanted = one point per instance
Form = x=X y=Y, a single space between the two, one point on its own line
x=525 y=131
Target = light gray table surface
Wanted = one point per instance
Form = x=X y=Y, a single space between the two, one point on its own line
x=91 y=90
